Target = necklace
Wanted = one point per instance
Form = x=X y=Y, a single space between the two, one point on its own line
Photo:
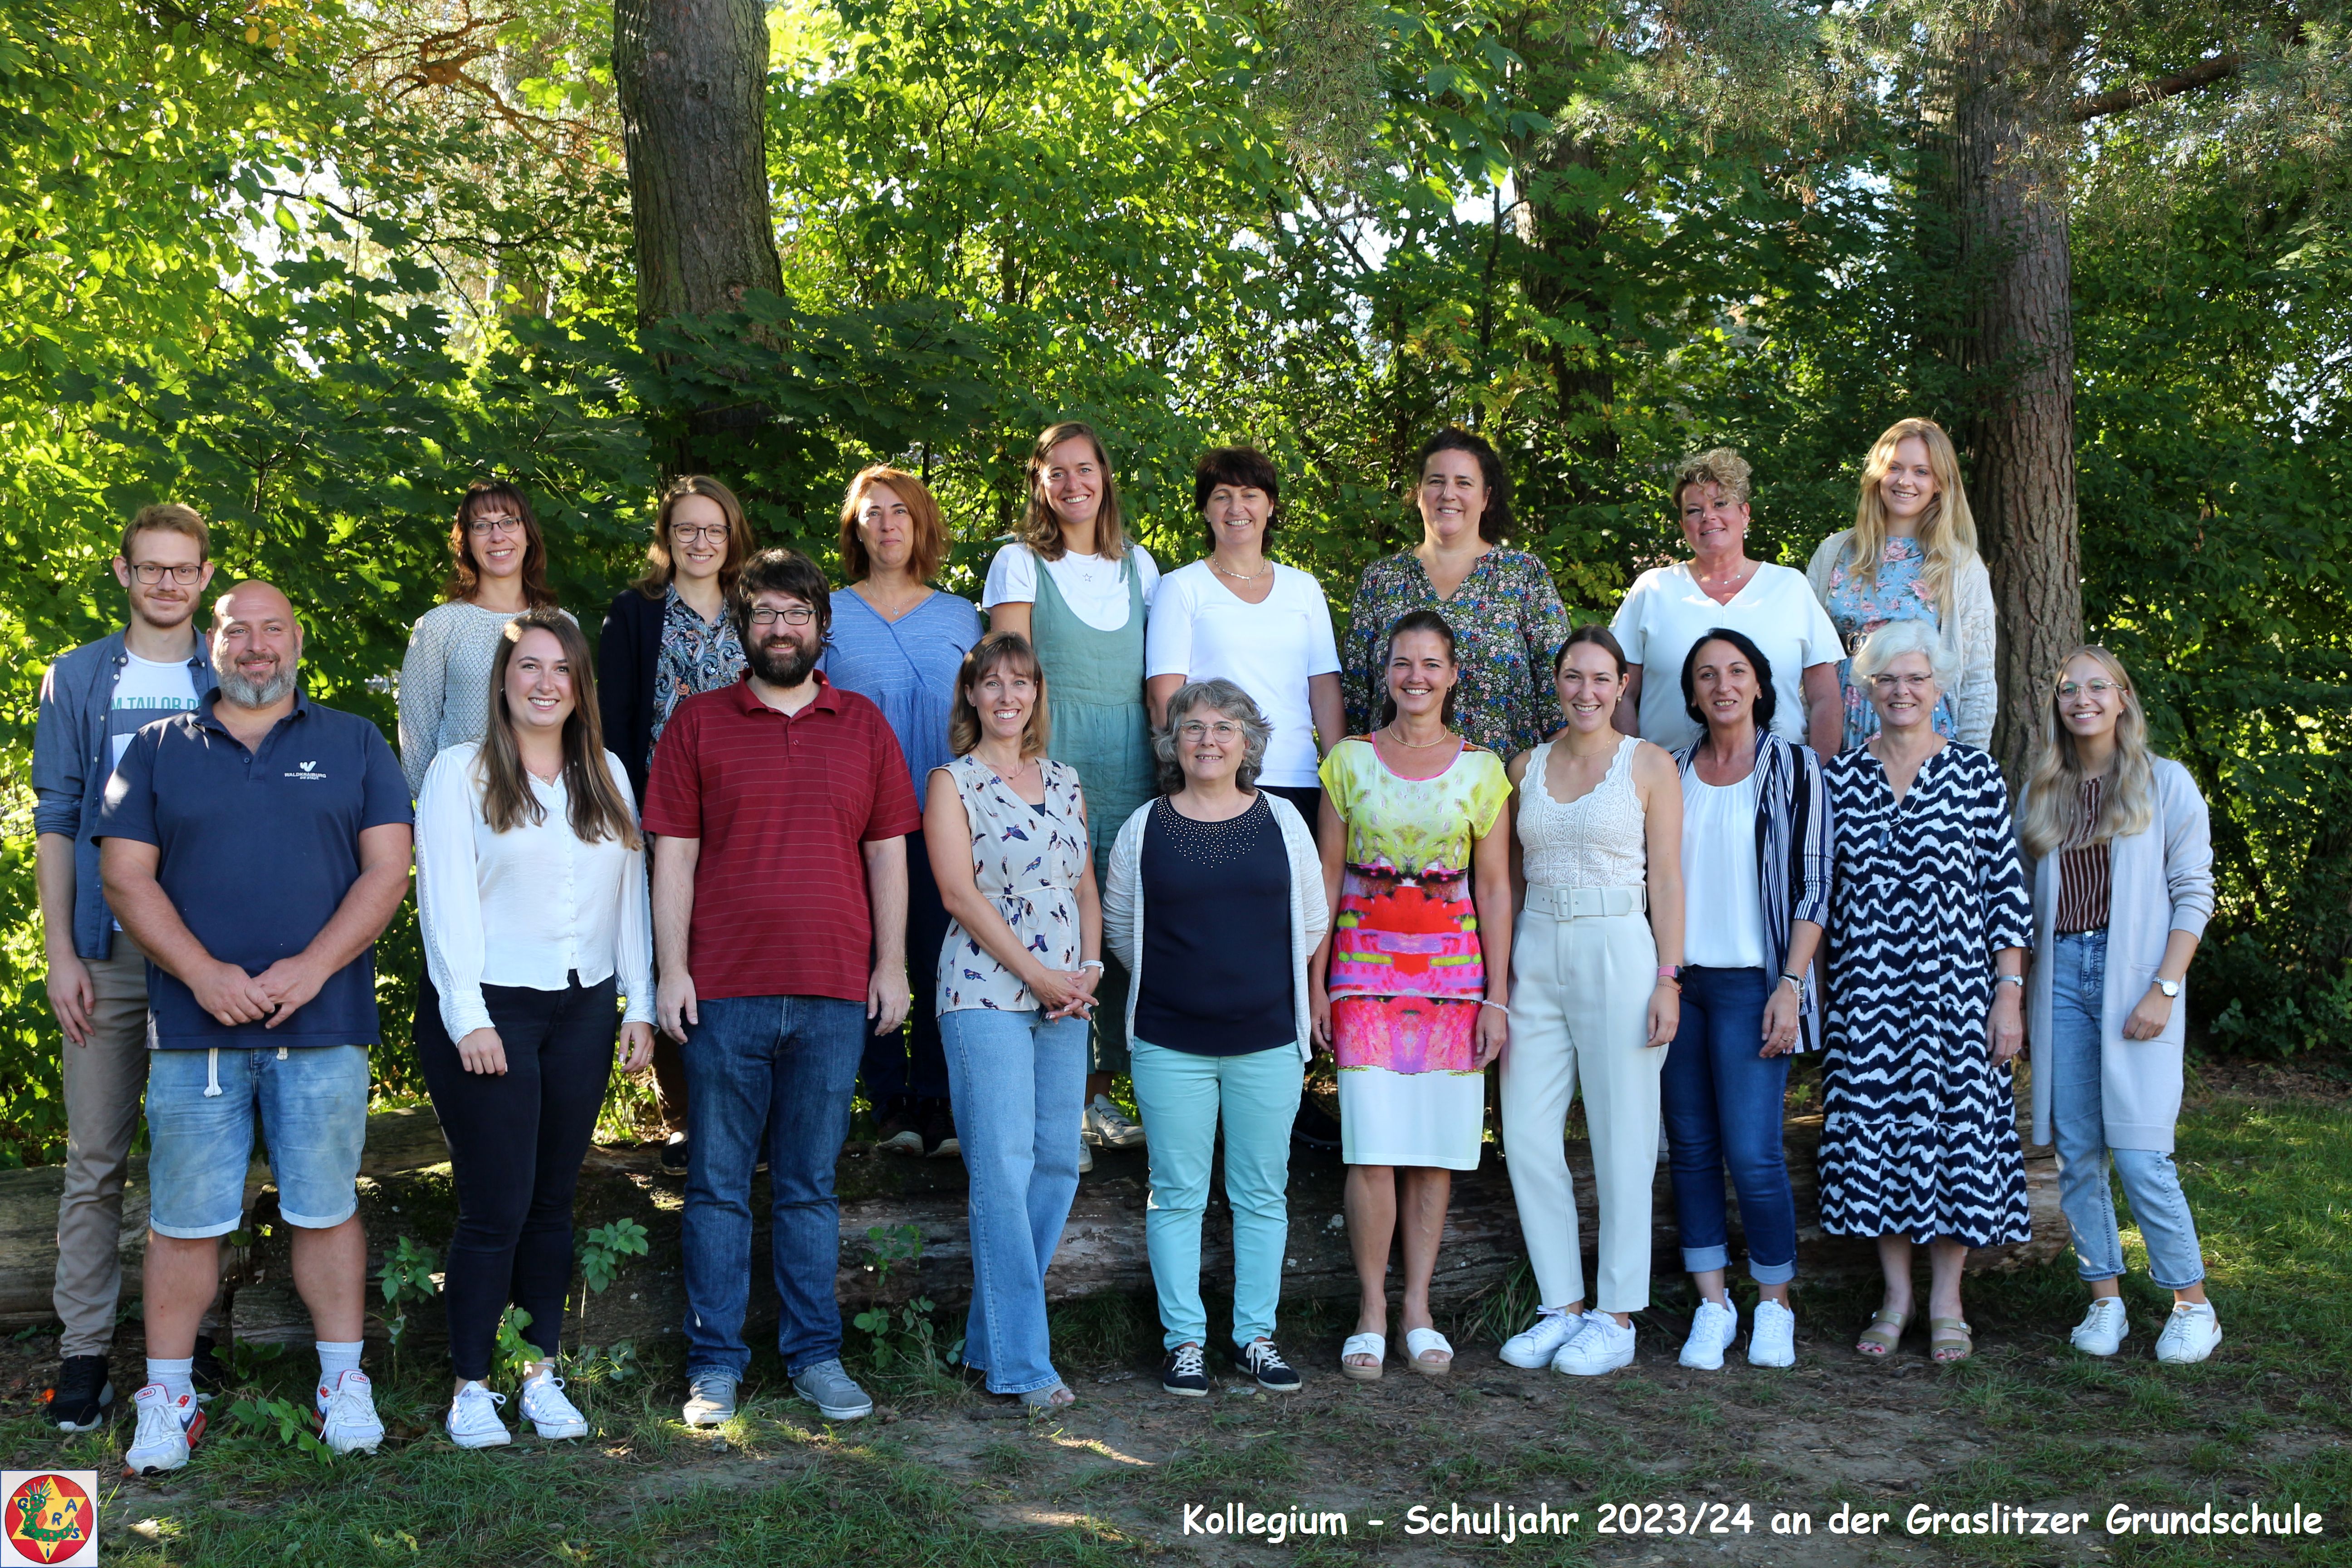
x=1738 y=575
x=1011 y=781
x=1237 y=576
x=1395 y=739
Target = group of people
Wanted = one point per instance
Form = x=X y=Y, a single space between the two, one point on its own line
x=775 y=838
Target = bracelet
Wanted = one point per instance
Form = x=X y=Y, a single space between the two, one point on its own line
x=1670 y=972
x=2016 y=980
x=1796 y=980
x=1090 y=963
x=1502 y=1007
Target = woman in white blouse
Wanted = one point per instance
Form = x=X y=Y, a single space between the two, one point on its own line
x=531 y=886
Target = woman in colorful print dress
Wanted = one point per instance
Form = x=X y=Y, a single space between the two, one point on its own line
x=1501 y=603
x=1413 y=985
x=1912 y=521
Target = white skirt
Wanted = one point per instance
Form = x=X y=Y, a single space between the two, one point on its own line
x=1436 y=1120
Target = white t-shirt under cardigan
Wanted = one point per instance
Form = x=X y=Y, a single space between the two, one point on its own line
x=1723 y=920
x=1202 y=631
x=1666 y=612
x=527 y=907
x=1090 y=585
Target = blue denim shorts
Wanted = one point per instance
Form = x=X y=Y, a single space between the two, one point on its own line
x=313 y=1102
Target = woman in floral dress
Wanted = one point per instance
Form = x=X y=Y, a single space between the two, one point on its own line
x=1500 y=602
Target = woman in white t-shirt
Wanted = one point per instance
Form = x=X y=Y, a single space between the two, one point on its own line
x=1670 y=608
x=1071 y=583
x=1239 y=616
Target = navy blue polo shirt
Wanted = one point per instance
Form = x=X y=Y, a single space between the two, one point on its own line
x=258 y=849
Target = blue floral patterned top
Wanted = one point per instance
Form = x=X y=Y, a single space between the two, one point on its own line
x=1507 y=621
x=1858 y=608
x=697 y=655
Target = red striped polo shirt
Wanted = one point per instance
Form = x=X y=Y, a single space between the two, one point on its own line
x=781 y=803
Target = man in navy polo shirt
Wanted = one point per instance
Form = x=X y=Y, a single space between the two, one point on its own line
x=781 y=806
x=255 y=848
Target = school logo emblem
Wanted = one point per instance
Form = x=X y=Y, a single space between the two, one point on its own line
x=48 y=1519
x=306 y=771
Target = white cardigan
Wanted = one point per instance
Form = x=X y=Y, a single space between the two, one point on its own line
x=1968 y=631
x=2161 y=881
x=1311 y=911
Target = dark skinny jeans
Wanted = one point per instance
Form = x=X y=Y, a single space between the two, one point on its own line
x=516 y=1141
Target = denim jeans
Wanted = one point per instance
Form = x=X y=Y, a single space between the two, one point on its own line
x=910 y=1061
x=1722 y=1107
x=1019 y=1085
x=311 y=1104
x=771 y=1074
x=1181 y=1095
x=2078 y=982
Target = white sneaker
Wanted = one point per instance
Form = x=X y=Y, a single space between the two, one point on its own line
x=1085 y=1156
x=1599 y=1345
x=547 y=1409
x=2103 y=1327
x=1109 y=1126
x=2190 y=1334
x=473 y=1420
x=168 y=1429
x=1713 y=1327
x=1771 y=1336
x=349 y=1424
x=1535 y=1344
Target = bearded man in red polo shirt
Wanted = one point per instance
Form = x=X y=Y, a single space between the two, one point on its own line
x=781 y=806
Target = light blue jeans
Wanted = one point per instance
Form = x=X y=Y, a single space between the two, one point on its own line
x=311 y=1104
x=2078 y=978
x=1018 y=1085
x=1180 y=1095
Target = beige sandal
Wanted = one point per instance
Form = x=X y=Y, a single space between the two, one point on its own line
x=1885 y=1331
x=1373 y=1345
x=1951 y=1340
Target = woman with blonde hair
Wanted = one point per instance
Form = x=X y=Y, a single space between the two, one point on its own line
x=1072 y=582
x=2121 y=866
x=1911 y=555
x=899 y=641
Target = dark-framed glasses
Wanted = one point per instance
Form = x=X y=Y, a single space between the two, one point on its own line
x=688 y=532
x=154 y=572
x=483 y=527
x=798 y=616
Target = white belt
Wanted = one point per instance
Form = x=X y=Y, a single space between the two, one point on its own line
x=1580 y=903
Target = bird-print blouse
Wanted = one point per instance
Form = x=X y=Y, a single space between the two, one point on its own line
x=1507 y=621
x=1027 y=861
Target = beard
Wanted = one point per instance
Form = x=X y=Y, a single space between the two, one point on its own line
x=245 y=692
x=782 y=661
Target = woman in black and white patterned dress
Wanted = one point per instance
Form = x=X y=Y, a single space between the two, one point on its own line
x=1928 y=923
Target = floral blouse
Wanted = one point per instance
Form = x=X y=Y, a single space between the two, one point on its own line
x=1858 y=608
x=696 y=656
x=1507 y=622
x=1027 y=861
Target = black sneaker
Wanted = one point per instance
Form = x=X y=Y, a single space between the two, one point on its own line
x=205 y=1371
x=1185 y=1373
x=79 y=1400
x=1260 y=1360
x=899 y=1131
x=940 y=1141
x=673 y=1155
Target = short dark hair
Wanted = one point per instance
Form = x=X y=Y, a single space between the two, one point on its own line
x=1767 y=701
x=1243 y=468
x=1598 y=634
x=1417 y=621
x=780 y=571
x=1496 y=521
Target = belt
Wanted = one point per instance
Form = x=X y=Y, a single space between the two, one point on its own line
x=1580 y=903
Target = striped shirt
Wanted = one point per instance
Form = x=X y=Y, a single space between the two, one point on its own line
x=781 y=803
x=1792 y=855
x=2085 y=882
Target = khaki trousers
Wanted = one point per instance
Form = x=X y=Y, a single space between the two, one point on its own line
x=1579 y=1009
x=106 y=1085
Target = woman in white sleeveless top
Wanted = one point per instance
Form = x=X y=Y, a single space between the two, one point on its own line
x=1599 y=852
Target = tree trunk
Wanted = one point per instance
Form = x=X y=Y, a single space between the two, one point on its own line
x=2009 y=137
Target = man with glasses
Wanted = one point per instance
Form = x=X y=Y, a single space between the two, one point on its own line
x=781 y=805
x=92 y=701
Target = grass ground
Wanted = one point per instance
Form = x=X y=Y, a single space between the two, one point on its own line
x=945 y=1476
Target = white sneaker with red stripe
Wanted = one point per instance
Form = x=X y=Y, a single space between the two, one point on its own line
x=168 y=1429
x=347 y=1419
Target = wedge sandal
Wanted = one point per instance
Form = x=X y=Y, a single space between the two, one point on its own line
x=1951 y=1340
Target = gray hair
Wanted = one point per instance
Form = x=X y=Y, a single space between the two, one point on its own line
x=1227 y=700
x=1895 y=639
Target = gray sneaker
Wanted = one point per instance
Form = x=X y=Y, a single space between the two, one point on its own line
x=709 y=1399
x=835 y=1393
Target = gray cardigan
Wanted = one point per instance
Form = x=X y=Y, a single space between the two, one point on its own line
x=1311 y=911
x=2163 y=882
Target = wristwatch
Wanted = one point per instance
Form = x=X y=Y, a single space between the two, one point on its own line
x=2169 y=987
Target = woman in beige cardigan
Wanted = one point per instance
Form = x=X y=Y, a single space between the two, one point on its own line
x=1911 y=555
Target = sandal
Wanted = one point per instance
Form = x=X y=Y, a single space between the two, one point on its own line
x=1419 y=1343
x=1373 y=1345
x=1951 y=1340
x=1886 y=1332
x=1058 y=1397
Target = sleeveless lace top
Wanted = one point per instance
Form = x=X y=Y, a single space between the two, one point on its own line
x=1597 y=840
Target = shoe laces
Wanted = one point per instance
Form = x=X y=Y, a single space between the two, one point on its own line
x=477 y=1393
x=1190 y=1362
x=711 y=1390
x=1261 y=1355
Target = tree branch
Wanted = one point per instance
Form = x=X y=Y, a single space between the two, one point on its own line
x=2205 y=73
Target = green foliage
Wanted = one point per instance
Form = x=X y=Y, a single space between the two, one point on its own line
x=513 y=1355
x=603 y=1248
x=904 y=1334
x=284 y=1420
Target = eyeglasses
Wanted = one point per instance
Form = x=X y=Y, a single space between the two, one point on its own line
x=798 y=616
x=483 y=527
x=2068 y=690
x=1195 y=731
x=1902 y=682
x=152 y=572
x=686 y=532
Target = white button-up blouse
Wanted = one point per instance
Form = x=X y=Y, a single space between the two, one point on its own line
x=529 y=907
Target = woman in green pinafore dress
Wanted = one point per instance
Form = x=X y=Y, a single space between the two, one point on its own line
x=1073 y=584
